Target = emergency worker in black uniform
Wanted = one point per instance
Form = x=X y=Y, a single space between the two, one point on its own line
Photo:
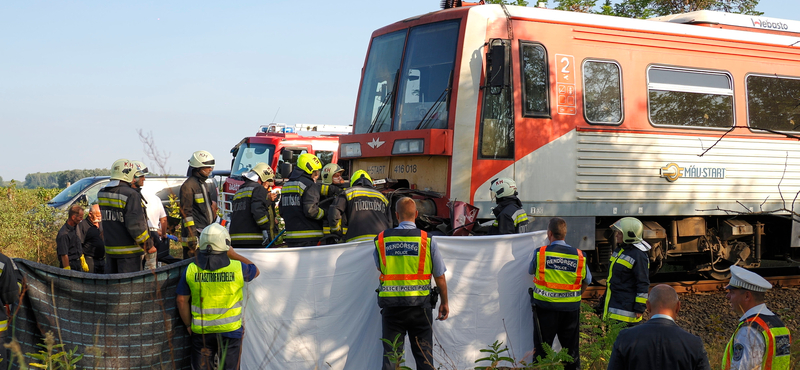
x=253 y=216
x=197 y=201
x=91 y=238
x=300 y=203
x=629 y=277
x=366 y=211
x=125 y=231
x=510 y=218
x=9 y=295
x=332 y=185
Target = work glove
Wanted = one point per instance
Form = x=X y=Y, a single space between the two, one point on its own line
x=172 y=237
x=84 y=265
x=266 y=239
x=67 y=268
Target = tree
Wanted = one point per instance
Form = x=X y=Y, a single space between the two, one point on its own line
x=655 y=8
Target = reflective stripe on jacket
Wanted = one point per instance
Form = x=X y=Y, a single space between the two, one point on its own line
x=194 y=207
x=406 y=266
x=776 y=336
x=124 y=224
x=627 y=285
x=558 y=278
x=365 y=212
x=300 y=210
x=252 y=214
x=217 y=300
x=510 y=218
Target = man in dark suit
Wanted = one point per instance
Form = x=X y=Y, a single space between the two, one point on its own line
x=659 y=343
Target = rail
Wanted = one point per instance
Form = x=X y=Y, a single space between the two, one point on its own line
x=697 y=286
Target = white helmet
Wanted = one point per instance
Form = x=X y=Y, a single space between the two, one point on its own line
x=503 y=187
x=329 y=171
x=141 y=169
x=123 y=170
x=215 y=238
x=264 y=172
x=200 y=159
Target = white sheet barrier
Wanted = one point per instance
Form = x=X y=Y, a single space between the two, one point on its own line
x=316 y=308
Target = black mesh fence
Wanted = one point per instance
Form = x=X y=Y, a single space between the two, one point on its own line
x=121 y=321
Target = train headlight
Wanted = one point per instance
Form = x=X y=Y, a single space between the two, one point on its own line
x=351 y=150
x=408 y=146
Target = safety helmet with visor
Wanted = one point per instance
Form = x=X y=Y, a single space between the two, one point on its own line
x=123 y=170
x=502 y=187
x=631 y=229
x=141 y=169
x=264 y=172
x=359 y=175
x=329 y=171
x=214 y=239
x=200 y=159
x=309 y=163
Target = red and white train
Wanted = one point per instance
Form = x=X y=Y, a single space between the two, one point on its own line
x=596 y=118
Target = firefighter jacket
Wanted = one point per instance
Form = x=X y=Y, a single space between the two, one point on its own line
x=775 y=345
x=125 y=230
x=328 y=194
x=366 y=212
x=628 y=284
x=217 y=300
x=300 y=210
x=9 y=288
x=253 y=213
x=510 y=218
x=406 y=267
x=558 y=279
x=196 y=211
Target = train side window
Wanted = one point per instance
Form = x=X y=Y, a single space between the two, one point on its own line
x=497 y=120
x=534 y=80
x=773 y=102
x=602 y=92
x=681 y=97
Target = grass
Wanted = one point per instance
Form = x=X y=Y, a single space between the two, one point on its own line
x=29 y=227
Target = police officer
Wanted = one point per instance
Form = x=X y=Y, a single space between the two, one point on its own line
x=254 y=209
x=406 y=258
x=365 y=209
x=197 y=201
x=510 y=218
x=210 y=300
x=761 y=341
x=560 y=276
x=9 y=295
x=124 y=225
x=300 y=203
x=629 y=277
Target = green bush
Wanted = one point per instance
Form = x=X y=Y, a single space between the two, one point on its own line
x=29 y=225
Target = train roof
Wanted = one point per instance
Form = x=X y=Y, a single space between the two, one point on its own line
x=742 y=28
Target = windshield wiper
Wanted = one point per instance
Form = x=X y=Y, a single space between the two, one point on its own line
x=442 y=97
x=389 y=97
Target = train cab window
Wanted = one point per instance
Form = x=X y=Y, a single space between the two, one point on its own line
x=691 y=98
x=534 y=80
x=602 y=92
x=325 y=156
x=376 y=98
x=773 y=102
x=497 y=121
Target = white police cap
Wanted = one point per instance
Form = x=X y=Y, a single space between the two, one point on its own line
x=744 y=279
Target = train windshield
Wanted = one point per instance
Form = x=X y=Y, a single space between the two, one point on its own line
x=251 y=154
x=408 y=90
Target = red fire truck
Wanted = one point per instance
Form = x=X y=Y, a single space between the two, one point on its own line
x=279 y=145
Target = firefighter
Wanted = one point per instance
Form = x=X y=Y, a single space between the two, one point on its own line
x=196 y=203
x=9 y=295
x=560 y=275
x=332 y=185
x=124 y=225
x=510 y=218
x=628 y=277
x=366 y=210
x=210 y=300
x=253 y=216
x=150 y=259
x=299 y=205
x=761 y=340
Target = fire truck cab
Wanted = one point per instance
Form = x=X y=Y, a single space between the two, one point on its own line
x=279 y=145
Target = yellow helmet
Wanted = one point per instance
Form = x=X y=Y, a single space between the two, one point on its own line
x=264 y=171
x=358 y=175
x=309 y=163
x=200 y=159
x=216 y=238
x=123 y=170
x=631 y=229
x=141 y=169
x=329 y=171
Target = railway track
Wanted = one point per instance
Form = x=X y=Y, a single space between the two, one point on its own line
x=697 y=286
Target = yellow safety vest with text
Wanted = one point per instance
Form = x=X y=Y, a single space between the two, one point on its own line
x=405 y=263
x=217 y=300
x=777 y=354
x=559 y=277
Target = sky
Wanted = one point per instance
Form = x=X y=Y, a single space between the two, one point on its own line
x=79 y=79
